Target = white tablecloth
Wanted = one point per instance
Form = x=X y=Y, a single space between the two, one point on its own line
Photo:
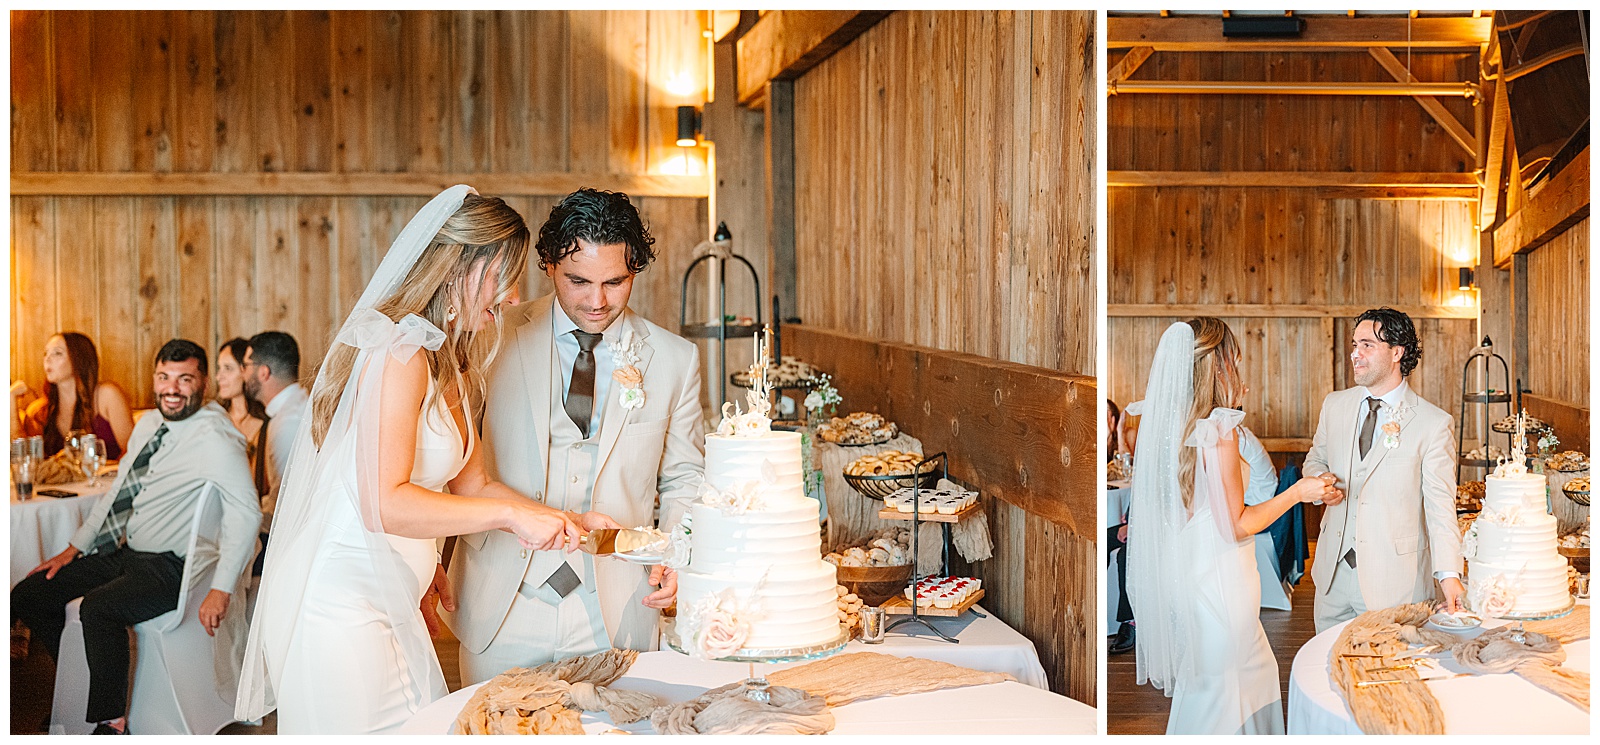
x=41 y=526
x=1479 y=705
x=999 y=708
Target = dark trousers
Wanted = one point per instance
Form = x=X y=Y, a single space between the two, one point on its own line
x=119 y=589
x=1124 y=610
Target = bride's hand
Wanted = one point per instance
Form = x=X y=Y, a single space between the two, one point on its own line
x=542 y=528
x=1312 y=489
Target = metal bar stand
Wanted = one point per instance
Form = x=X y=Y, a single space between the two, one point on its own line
x=719 y=254
x=1484 y=356
x=916 y=540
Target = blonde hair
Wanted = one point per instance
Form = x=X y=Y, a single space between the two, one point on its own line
x=483 y=234
x=1217 y=383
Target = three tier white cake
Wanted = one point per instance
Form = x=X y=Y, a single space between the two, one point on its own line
x=754 y=578
x=1512 y=564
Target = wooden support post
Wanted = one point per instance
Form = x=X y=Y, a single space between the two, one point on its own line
x=780 y=191
x=1130 y=62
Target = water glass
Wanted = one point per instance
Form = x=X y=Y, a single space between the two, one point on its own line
x=92 y=455
x=22 y=467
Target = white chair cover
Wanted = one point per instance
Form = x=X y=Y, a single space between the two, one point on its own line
x=184 y=679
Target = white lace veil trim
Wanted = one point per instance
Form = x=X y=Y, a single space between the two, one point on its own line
x=315 y=477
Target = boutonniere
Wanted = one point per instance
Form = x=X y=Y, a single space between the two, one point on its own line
x=627 y=375
x=1391 y=430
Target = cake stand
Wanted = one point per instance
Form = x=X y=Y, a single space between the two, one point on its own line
x=1519 y=635
x=755 y=687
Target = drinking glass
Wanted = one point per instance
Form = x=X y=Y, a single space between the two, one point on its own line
x=92 y=455
x=22 y=467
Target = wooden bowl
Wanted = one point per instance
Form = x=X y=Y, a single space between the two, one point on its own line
x=875 y=584
x=1578 y=557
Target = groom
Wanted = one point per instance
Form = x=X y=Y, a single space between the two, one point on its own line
x=594 y=410
x=1395 y=534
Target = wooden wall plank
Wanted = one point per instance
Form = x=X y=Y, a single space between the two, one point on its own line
x=121 y=358
x=472 y=105
x=154 y=234
x=627 y=34
x=194 y=61
x=34 y=303
x=235 y=84
x=314 y=140
x=74 y=92
x=195 y=283
x=154 y=107
x=77 y=274
x=273 y=102
x=1558 y=317
x=33 y=125
x=112 y=71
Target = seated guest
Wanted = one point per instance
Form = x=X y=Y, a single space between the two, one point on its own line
x=1117 y=537
x=1260 y=476
x=271 y=372
x=248 y=415
x=76 y=399
x=130 y=545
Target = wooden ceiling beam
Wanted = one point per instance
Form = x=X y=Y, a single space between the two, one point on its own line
x=1292 y=179
x=1494 y=162
x=1322 y=34
x=1430 y=104
x=1130 y=62
x=81 y=183
x=1278 y=310
x=1558 y=205
x=784 y=44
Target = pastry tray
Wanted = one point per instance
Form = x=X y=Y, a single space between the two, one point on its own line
x=900 y=606
x=890 y=513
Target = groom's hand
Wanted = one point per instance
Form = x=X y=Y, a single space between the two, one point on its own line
x=666 y=579
x=1453 y=592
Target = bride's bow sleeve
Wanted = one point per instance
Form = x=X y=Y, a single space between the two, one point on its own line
x=368 y=330
x=1209 y=431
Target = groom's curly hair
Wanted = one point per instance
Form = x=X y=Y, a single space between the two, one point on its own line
x=601 y=217
x=1395 y=329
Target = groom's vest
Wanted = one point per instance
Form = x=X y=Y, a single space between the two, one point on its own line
x=1358 y=468
x=569 y=485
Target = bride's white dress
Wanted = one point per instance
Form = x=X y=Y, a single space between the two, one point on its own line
x=345 y=671
x=1234 y=685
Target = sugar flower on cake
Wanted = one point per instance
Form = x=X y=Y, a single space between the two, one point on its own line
x=678 y=551
x=1469 y=542
x=1493 y=597
x=717 y=626
x=745 y=496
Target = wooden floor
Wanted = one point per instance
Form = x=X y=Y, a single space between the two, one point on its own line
x=1142 y=710
x=33 y=685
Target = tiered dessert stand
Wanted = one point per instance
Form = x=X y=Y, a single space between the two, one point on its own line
x=880 y=487
x=719 y=252
x=1482 y=402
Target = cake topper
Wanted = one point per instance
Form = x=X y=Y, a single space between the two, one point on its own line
x=1517 y=465
x=755 y=421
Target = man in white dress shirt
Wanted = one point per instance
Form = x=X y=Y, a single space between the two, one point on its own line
x=594 y=410
x=133 y=540
x=271 y=374
x=1395 y=534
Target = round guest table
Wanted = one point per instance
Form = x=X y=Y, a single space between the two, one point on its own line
x=995 y=709
x=41 y=526
x=1503 y=704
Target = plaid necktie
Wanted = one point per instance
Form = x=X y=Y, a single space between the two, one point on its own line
x=123 y=506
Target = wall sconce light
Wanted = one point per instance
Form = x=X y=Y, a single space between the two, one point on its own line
x=1464 y=277
x=688 y=126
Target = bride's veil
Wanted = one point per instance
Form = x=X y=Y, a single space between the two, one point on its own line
x=1159 y=576
x=299 y=525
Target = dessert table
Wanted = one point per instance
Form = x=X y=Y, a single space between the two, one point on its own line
x=995 y=709
x=1478 y=705
x=41 y=526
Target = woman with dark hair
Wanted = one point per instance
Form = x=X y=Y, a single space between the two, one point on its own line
x=76 y=399
x=248 y=414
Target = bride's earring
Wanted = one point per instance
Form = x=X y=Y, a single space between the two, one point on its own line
x=450 y=314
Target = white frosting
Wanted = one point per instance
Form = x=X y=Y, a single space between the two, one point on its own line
x=1516 y=544
x=769 y=556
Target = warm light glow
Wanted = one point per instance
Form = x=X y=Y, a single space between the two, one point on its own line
x=687 y=143
x=680 y=84
x=1464 y=299
x=689 y=163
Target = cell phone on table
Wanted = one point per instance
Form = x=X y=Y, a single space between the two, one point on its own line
x=55 y=493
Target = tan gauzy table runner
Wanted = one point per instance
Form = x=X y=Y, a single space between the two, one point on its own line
x=1374 y=638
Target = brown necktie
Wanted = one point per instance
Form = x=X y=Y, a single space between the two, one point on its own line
x=580 y=393
x=1366 y=427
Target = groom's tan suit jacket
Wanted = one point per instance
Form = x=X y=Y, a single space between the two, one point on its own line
x=655 y=449
x=1399 y=507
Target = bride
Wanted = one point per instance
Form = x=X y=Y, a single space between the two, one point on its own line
x=338 y=643
x=1191 y=567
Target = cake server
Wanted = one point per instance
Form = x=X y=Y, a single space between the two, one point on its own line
x=608 y=541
